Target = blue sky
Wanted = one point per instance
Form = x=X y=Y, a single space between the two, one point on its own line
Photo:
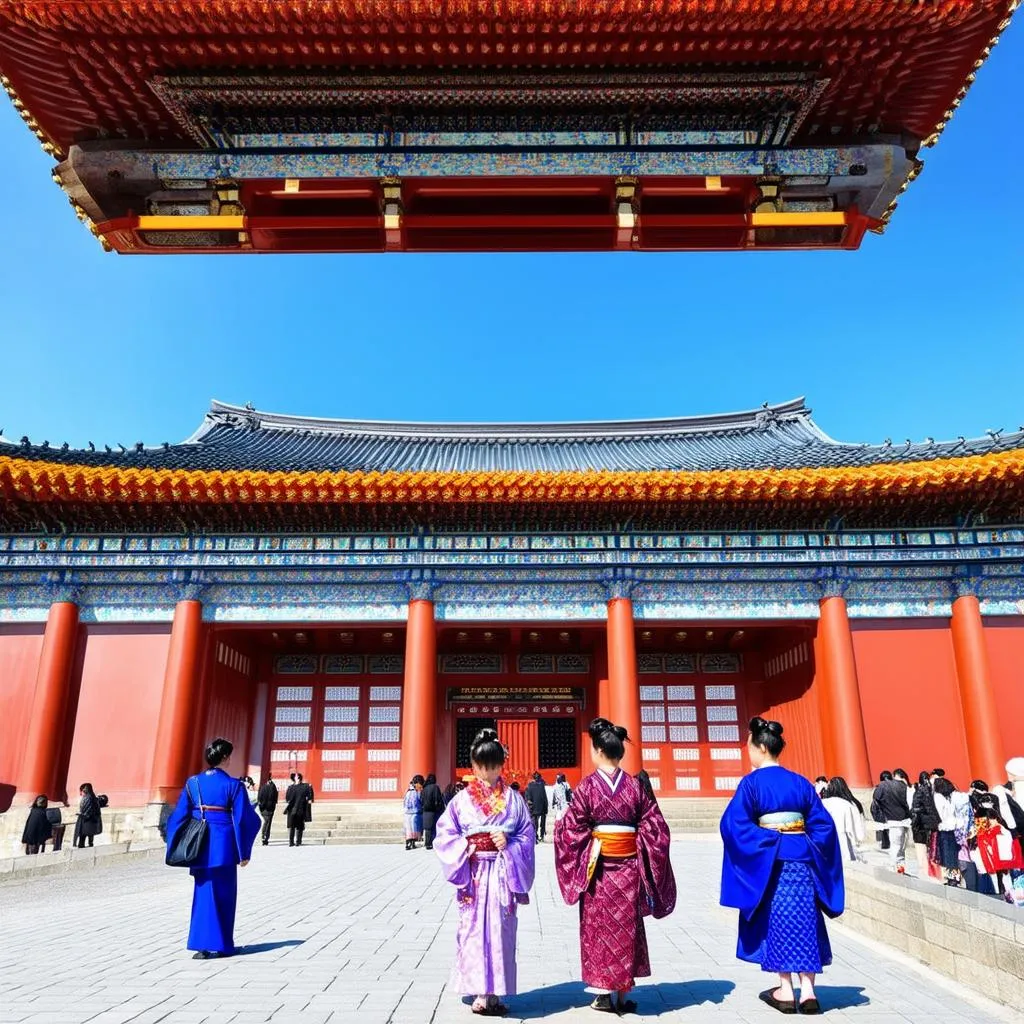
x=919 y=333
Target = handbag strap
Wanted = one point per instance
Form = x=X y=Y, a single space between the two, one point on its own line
x=202 y=809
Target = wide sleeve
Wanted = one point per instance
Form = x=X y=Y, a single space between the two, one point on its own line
x=452 y=848
x=246 y=821
x=826 y=854
x=181 y=811
x=749 y=852
x=572 y=846
x=519 y=854
x=653 y=847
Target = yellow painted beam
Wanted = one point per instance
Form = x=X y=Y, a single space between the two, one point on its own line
x=229 y=223
x=798 y=220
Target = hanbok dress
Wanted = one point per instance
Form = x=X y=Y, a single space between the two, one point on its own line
x=782 y=869
x=412 y=806
x=232 y=827
x=612 y=858
x=490 y=885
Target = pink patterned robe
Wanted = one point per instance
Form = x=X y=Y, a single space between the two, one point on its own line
x=490 y=888
x=613 y=945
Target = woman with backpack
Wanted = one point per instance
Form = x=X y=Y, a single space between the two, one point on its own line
x=90 y=820
x=561 y=796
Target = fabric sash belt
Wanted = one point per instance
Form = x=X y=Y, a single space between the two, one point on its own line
x=783 y=821
x=616 y=845
x=481 y=842
x=206 y=807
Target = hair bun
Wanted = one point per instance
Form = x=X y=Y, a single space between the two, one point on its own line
x=484 y=735
x=621 y=732
x=774 y=727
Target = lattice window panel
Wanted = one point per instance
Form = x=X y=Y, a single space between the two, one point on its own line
x=291 y=733
x=341 y=733
x=723 y=733
x=722 y=713
x=294 y=693
x=683 y=733
x=682 y=693
x=652 y=753
x=342 y=713
x=287 y=755
x=727 y=782
x=339 y=785
x=652 y=692
x=687 y=782
x=382 y=785
x=679 y=664
x=386 y=664
x=719 y=692
x=726 y=754
x=383 y=734
x=342 y=693
x=655 y=783
x=388 y=754
x=385 y=713
x=652 y=713
x=293 y=714
x=652 y=733
x=337 y=755
x=685 y=754
x=385 y=693
x=343 y=664
x=682 y=713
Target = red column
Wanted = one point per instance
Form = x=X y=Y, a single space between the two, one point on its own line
x=419 y=695
x=46 y=727
x=180 y=704
x=842 y=715
x=981 y=715
x=623 y=689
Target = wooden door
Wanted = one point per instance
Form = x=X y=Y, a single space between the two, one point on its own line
x=519 y=737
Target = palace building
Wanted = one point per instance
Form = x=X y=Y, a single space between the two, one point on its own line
x=459 y=125
x=354 y=600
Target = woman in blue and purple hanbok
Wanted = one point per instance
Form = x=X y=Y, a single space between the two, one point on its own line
x=783 y=870
x=485 y=842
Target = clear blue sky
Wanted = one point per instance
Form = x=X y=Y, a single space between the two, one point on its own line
x=919 y=333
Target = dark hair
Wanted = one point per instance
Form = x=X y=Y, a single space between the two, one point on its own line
x=980 y=785
x=40 y=801
x=431 y=780
x=899 y=773
x=821 y=778
x=608 y=738
x=924 y=779
x=837 y=787
x=217 y=751
x=515 y=785
x=944 y=787
x=298 y=777
x=885 y=777
x=767 y=734
x=941 y=772
x=560 y=777
x=418 y=780
x=486 y=751
x=86 y=789
x=645 y=783
x=537 y=777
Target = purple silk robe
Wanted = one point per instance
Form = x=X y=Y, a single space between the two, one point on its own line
x=490 y=888
x=613 y=945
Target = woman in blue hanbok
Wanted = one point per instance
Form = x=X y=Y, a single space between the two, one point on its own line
x=783 y=870
x=232 y=827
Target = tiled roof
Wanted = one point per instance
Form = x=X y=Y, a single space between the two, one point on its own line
x=774 y=437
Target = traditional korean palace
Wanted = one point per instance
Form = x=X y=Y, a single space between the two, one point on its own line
x=354 y=600
x=243 y=126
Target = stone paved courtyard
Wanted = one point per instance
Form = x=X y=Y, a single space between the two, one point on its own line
x=366 y=933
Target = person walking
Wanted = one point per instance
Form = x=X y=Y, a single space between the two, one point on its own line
x=38 y=829
x=889 y=807
x=612 y=858
x=783 y=870
x=924 y=823
x=433 y=804
x=537 y=801
x=232 y=826
x=90 y=818
x=412 y=810
x=298 y=808
x=848 y=814
x=560 y=797
x=955 y=822
x=266 y=803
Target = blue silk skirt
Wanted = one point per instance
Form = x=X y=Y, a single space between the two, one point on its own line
x=787 y=932
x=213 y=909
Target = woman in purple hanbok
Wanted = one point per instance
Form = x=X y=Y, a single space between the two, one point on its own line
x=612 y=857
x=485 y=842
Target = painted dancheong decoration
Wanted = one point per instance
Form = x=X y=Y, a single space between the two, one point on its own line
x=380 y=125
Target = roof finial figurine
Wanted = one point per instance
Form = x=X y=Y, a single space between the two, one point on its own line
x=92 y=447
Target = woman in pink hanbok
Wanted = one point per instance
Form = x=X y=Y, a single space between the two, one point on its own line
x=485 y=842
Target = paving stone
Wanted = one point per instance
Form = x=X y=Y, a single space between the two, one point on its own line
x=335 y=934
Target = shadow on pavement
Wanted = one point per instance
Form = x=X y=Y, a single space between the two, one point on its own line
x=840 y=997
x=675 y=995
x=266 y=947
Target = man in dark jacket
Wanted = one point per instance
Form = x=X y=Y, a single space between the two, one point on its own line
x=298 y=808
x=889 y=808
x=266 y=803
x=432 y=802
x=537 y=800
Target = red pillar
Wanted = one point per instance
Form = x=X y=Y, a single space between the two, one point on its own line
x=623 y=688
x=419 y=695
x=981 y=715
x=842 y=715
x=46 y=733
x=180 y=704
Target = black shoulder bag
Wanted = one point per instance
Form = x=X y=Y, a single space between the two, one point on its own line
x=189 y=841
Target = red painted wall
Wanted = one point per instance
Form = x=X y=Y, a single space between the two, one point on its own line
x=1005 y=641
x=20 y=647
x=908 y=689
x=230 y=711
x=118 y=707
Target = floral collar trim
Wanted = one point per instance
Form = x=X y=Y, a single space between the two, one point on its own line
x=488 y=800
